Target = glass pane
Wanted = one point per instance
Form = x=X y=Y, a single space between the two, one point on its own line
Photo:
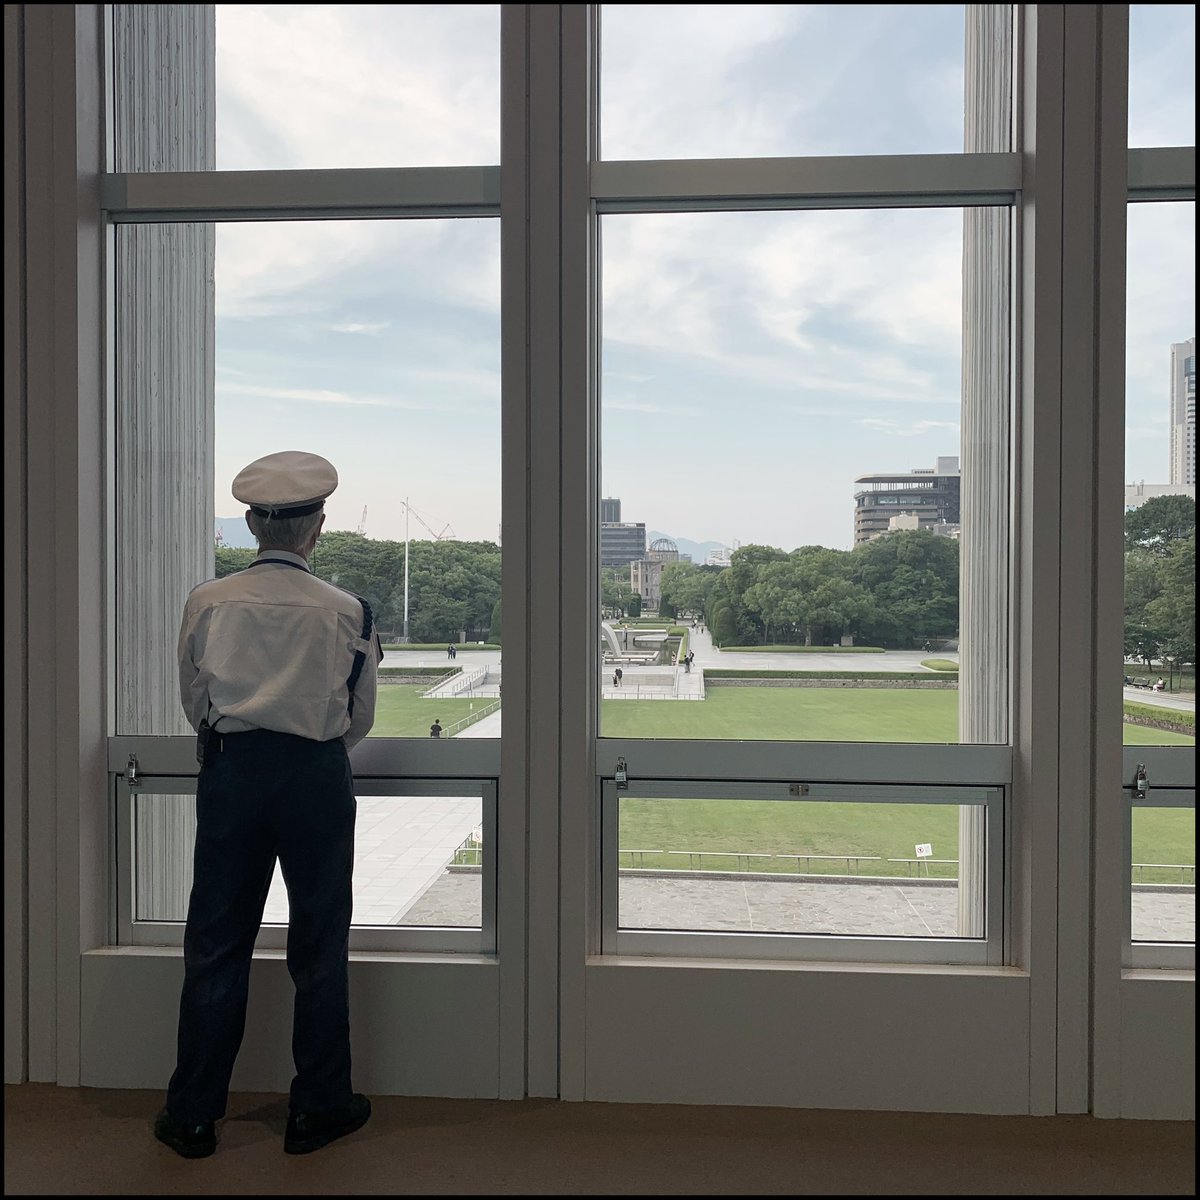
x=783 y=412
x=417 y=861
x=1160 y=469
x=374 y=343
x=1164 y=875
x=856 y=869
x=268 y=87
x=1162 y=74
x=755 y=80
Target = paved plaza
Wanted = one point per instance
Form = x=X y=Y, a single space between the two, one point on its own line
x=789 y=905
x=654 y=682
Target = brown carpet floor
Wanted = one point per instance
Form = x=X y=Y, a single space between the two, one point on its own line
x=91 y=1142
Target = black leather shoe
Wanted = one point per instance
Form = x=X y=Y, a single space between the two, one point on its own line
x=307 y=1132
x=190 y=1140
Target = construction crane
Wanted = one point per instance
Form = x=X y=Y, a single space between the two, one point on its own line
x=437 y=537
x=446 y=531
x=362 y=524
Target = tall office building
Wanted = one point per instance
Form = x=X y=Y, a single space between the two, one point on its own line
x=1183 y=413
x=621 y=542
x=889 y=502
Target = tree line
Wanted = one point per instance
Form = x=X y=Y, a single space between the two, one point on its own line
x=1160 y=582
x=899 y=591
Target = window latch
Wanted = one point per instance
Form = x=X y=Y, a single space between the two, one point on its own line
x=133 y=780
x=1141 y=782
x=621 y=775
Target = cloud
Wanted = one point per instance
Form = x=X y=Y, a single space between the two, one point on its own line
x=791 y=349
x=375 y=85
x=356 y=327
x=311 y=395
x=644 y=406
x=912 y=430
x=866 y=302
x=1162 y=74
x=780 y=79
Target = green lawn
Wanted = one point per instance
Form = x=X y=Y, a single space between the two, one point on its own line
x=1163 y=835
x=792 y=714
x=814 y=714
x=773 y=714
x=401 y=711
x=1144 y=735
x=886 y=831
x=792 y=827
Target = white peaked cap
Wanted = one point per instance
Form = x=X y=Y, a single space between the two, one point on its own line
x=280 y=484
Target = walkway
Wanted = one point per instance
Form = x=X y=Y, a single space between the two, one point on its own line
x=787 y=905
x=402 y=847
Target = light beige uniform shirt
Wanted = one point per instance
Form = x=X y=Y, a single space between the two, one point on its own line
x=272 y=647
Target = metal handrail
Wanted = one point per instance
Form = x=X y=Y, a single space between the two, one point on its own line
x=485 y=711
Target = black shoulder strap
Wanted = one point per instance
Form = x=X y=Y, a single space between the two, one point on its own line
x=360 y=657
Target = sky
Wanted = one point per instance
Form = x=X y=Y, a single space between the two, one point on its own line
x=752 y=364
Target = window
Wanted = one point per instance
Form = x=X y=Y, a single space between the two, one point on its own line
x=1158 y=677
x=825 y=866
x=804 y=395
x=424 y=865
x=310 y=309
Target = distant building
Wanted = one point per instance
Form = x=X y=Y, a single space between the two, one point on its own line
x=1183 y=413
x=645 y=575
x=621 y=543
x=1136 y=494
x=929 y=495
x=720 y=557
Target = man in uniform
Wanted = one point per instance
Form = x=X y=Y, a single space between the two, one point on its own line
x=277 y=672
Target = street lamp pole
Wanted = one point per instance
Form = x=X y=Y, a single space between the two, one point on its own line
x=405 y=638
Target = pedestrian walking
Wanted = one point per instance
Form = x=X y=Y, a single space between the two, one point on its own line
x=435 y=730
x=277 y=675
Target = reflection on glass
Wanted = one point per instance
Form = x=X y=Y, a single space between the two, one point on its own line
x=1164 y=875
x=1160 y=470
x=1162 y=74
x=734 y=81
x=418 y=860
x=781 y=408
x=885 y=870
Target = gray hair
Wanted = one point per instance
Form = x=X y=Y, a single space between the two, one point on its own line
x=282 y=532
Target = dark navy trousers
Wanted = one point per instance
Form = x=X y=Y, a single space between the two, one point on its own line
x=268 y=795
